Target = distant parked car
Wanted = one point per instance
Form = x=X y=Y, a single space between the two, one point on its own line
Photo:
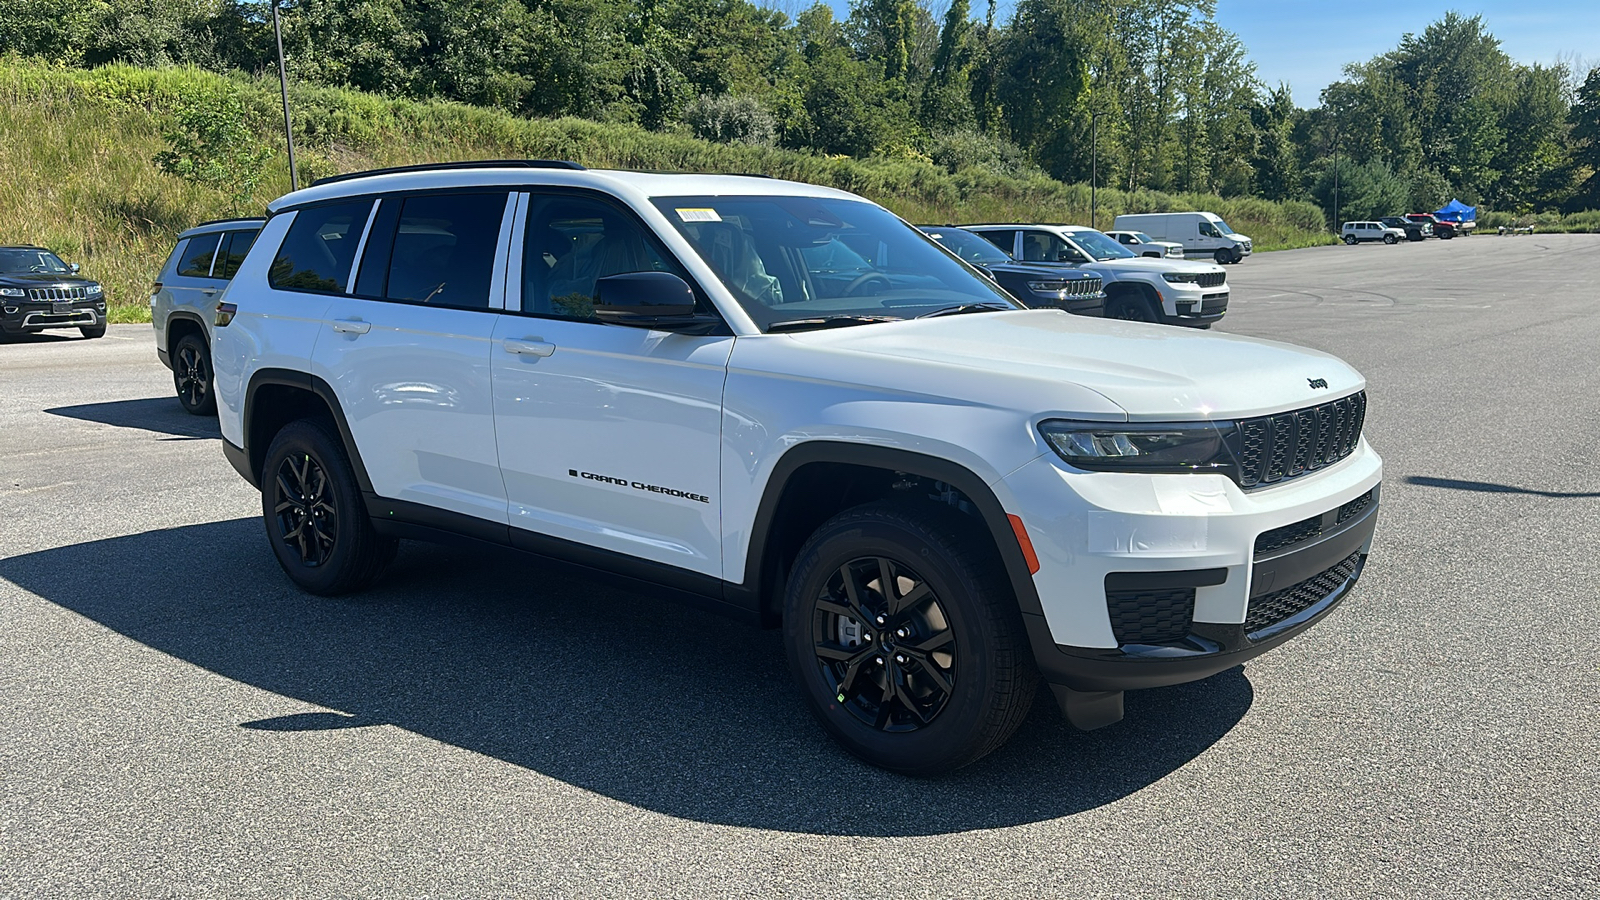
x=38 y=291
x=1357 y=232
x=1415 y=231
x=1202 y=234
x=1041 y=287
x=183 y=303
x=1437 y=227
x=1141 y=244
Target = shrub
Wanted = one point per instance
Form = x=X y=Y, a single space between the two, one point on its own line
x=730 y=118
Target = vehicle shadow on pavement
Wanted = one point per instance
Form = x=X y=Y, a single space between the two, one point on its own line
x=163 y=415
x=1489 y=487
x=651 y=703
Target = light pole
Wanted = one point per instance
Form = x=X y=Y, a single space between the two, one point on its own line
x=283 y=83
x=1094 y=170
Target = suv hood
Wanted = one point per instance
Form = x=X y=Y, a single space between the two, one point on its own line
x=35 y=279
x=1036 y=360
x=1060 y=273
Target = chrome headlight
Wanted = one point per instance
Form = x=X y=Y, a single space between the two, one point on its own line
x=1049 y=287
x=13 y=292
x=1180 y=277
x=1143 y=447
x=93 y=290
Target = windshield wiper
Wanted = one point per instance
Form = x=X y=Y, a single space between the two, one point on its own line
x=827 y=322
x=986 y=306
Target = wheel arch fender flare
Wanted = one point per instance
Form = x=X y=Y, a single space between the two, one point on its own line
x=186 y=318
x=990 y=511
x=308 y=383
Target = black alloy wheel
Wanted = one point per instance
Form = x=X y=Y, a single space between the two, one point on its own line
x=307 y=517
x=884 y=644
x=904 y=636
x=191 y=376
x=316 y=520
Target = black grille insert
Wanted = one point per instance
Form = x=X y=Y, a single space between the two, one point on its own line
x=1279 y=538
x=1287 y=445
x=1268 y=610
x=1355 y=507
x=1150 y=616
x=1211 y=279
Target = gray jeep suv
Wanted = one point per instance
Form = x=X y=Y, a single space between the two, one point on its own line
x=183 y=303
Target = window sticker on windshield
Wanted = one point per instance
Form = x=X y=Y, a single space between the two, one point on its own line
x=699 y=215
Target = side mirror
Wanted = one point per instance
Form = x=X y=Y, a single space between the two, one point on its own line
x=73 y=268
x=659 y=300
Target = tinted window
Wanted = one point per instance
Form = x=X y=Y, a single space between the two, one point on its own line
x=318 y=250
x=1042 y=246
x=196 y=260
x=234 y=248
x=573 y=242
x=1005 y=240
x=968 y=246
x=444 y=249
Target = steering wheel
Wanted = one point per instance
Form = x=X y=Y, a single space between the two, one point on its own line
x=40 y=269
x=854 y=288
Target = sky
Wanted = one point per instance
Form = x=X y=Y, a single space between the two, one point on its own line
x=1308 y=42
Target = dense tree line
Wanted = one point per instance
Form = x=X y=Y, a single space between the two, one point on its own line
x=1172 y=96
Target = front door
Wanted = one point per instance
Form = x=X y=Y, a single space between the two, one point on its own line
x=609 y=436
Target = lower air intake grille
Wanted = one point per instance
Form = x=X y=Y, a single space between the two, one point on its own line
x=1150 y=616
x=1268 y=610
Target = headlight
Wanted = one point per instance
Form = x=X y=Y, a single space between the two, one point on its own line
x=1180 y=277
x=1049 y=287
x=1159 y=447
x=93 y=290
x=13 y=292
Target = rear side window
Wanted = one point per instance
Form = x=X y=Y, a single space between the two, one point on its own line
x=232 y=253
x=320 y=247
x=444 y=249
x=1005 y=240
x=196 y=259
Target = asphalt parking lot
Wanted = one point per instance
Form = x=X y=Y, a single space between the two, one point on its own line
x=176 y=720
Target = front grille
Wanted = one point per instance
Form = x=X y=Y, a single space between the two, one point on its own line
x=1084 y=287
x=64 y=293
x=1150 y=616
x=1268 y=610
x=1211 y=279
x=1287 y=445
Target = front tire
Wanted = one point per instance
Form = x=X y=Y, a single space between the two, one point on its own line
x=93 y=331
x=904 y=637
x=191 y=376
x=1223 y=256
x=1390 y=239
x=1132 y=308
x=314 y=514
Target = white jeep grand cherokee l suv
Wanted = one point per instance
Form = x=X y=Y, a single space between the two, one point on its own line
x=937 y=494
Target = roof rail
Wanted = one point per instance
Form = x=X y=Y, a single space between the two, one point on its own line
x=232 y=219
x=447 y=166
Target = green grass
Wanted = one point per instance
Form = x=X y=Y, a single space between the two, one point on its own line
x=76 y=173
x=1587 y=222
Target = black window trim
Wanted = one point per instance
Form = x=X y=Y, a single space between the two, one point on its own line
x=533 y=193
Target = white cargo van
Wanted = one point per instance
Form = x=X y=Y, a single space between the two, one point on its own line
x=1200 y=233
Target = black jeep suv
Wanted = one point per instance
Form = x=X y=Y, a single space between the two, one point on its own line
x=1041 y=287
x=39 y=291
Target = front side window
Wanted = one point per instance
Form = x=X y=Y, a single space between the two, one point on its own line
x=571 y=243
x=196 y=262
x=968 y=246
x=444 y=249
x=1042 y=246
x=28 y=260
x=1206 y=229
x=320 y=247
x=799 y=262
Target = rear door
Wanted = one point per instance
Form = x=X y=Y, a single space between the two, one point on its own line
x=405 y=346
x=195 y=287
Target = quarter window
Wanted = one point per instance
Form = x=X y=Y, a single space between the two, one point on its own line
x=234 y=248
x=319 y=249
x=197 y=256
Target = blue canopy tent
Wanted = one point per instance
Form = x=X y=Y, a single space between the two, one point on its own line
x=1456 y=211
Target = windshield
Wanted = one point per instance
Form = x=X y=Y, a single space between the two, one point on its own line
x=968 y=246
x=1141 y=237
x=20 y=260
x=1098 y=245
x=1223 y=227
x=795 y=262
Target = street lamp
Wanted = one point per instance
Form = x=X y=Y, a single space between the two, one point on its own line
x=1094 y=170
x=283 y=83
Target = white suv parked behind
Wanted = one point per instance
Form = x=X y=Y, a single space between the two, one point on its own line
x=936 y=493
x=1355 y=232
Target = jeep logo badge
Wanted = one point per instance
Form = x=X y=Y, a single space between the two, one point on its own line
x=1318 y=382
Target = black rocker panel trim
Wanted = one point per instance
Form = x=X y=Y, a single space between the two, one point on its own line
x=953 y=474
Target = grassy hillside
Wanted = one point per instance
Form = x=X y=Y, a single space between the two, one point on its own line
x=76 y=170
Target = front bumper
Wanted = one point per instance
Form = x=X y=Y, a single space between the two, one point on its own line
x=1210 y=307
x=1094 y=305
x=1148 y=581
x=19 y=316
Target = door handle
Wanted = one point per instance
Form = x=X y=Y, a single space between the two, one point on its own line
x=530 y=347
x=351 y=326
x=209 y=292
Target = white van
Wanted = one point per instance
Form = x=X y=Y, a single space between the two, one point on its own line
x=1200 y=233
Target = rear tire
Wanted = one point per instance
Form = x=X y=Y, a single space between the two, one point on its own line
x=904 y=637
x=314 y=514
x=191 y=376
x=93 y=331
x=1350 y=239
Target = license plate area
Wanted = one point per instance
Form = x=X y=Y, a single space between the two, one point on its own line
x=61 y=307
